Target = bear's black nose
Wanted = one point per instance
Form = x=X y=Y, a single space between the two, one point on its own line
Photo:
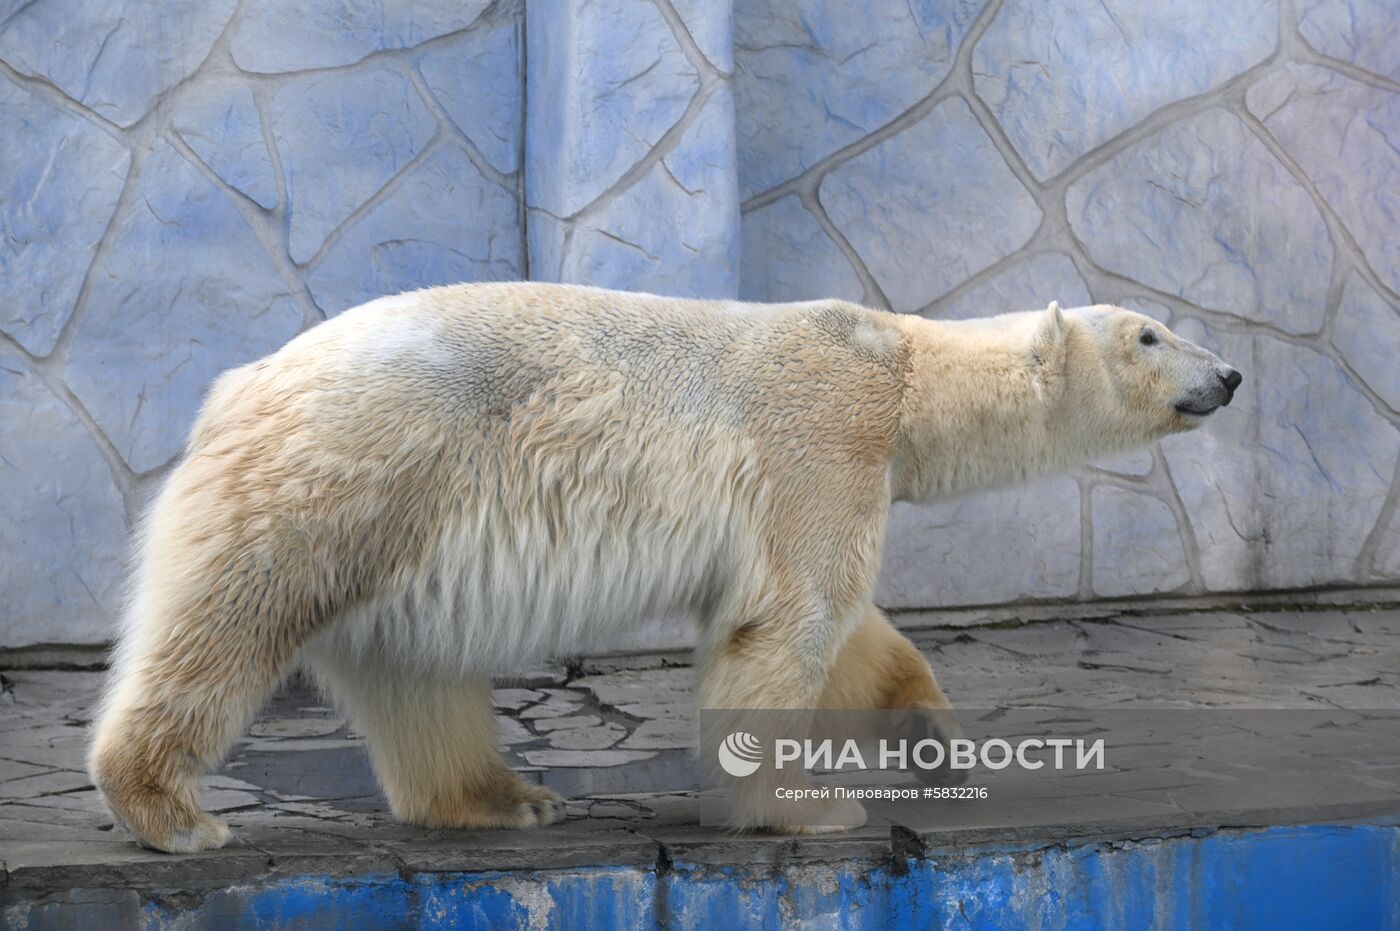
x=1231 y=379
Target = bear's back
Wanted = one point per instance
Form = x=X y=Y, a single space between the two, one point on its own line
x=464 y=359
x=480 y=350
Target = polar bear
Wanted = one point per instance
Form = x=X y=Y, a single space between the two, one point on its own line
x=446 y=484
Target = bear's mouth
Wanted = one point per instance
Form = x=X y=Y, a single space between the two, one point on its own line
x=1196 y=410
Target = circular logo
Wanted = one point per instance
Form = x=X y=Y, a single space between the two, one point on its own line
x=740 y=754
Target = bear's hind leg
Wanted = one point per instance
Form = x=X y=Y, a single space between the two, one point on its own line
x=432 y=742
x=879 y=667
x=180 y=695
x=766 y=678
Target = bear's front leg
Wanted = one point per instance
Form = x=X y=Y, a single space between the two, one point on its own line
x=432 y=743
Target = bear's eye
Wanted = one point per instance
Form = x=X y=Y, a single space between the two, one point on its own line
x=1147 y=338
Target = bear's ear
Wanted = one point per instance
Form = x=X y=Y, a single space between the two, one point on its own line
x=1049 y=337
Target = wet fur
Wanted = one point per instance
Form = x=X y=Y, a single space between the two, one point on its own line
x=443 y=485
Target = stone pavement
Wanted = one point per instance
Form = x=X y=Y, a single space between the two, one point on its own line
x=1192 y=704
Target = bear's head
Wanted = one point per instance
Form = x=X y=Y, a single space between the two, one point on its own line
x=996 y=400
x=1132 y=375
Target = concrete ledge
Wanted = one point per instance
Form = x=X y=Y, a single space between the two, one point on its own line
x=1310 y=876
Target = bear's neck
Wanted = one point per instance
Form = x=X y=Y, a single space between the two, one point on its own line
x=977 y=412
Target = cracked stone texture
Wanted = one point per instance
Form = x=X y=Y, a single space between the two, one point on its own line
x=1363 y=32
x=1297 y=512
x=1368 y=334
x=785 y=255
x=610 y=79
x=809 y=84
x=623 y=246
x=1137 y=544
x=1026 y=285
x=337 y=152
x=59 y=184
x=274 y=35
x=1203 y=211
x=930 y=207
x=224 y=129
x=477 y=81
x=629 y=164
x=1346 y=137
x=115 y=59
x=1138 y=462
x=1387 y=564
x=414 y=237
x=933 y=556
x=64 y=529
x=956 y=158
x=711 y=26
x=1210 y=719
x=1064 y=78
x=184 y=292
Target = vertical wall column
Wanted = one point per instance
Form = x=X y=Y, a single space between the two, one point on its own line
x=630 y=167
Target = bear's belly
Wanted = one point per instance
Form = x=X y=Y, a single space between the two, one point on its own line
x=497 y=594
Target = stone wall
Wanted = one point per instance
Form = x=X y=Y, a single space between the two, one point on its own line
x=187 y=185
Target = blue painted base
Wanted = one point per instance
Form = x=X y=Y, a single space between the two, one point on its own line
x=1307 y=877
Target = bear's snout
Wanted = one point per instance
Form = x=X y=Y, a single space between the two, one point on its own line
x=1215 y=389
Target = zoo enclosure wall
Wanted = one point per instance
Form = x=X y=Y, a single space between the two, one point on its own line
x=188 y=185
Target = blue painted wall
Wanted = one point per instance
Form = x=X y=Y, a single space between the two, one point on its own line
x=1310 y=877
x=185 y=185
